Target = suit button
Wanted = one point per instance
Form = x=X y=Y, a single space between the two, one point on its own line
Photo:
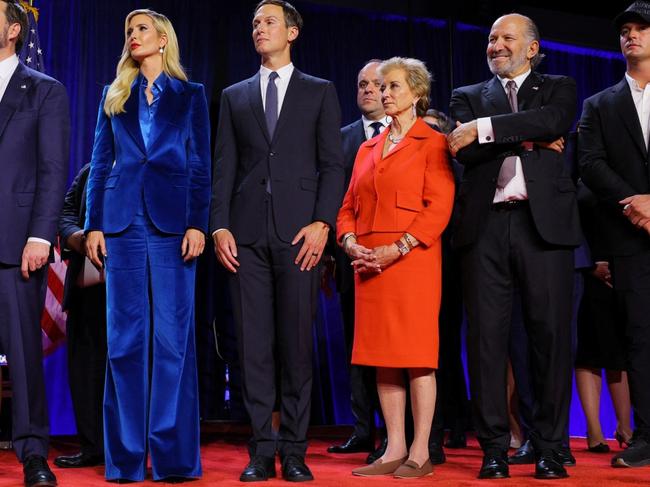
x=381 y=170
x=494 y=180
x=488 y=138
x=272 y=154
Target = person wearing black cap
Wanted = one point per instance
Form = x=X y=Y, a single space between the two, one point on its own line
x=613 y=157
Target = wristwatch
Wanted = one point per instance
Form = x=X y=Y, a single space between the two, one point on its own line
x=403 y=249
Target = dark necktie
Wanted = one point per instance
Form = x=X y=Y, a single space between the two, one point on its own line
x=508 y=167
x=376 y=128
x=271 y=108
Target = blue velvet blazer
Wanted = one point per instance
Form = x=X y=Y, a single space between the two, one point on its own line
x=172 y=175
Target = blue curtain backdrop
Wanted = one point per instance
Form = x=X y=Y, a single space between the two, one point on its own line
x=83 y=41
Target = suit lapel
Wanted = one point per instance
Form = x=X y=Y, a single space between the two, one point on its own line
x=529 y=91
x=170 y=103
x=19 y=84
x=131 y=119
x=493 y=92
x=291 y=101
x=625 y=106
x=361 y=132
x=255 y=100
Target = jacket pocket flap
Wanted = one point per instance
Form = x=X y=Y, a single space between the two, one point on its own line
x=111 y=181
x=309 y=184
x=408 y=200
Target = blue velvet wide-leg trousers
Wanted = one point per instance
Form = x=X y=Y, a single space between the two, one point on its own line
x=151 y=396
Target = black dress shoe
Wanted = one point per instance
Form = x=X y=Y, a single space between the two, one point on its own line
x=548 y=466
x=175 y=479
x=295 y=470
x=565 y=457
x=599 y=448
x=37 y=473
x=79 y=460
x=494 y=466
x=635 y=455
x=354 y=444
x=378 y=453
x=436 y=453
x=524 y=455
x=260 y=468
x=456 y=440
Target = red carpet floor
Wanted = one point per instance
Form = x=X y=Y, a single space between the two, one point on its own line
x=223 y=461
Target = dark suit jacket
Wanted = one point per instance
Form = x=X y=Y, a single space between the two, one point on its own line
x=34 y=144
x=172 y=174
x=72 y=219
x=352 y=136
x=303 y=160
x=614 y=164
x=546 y=112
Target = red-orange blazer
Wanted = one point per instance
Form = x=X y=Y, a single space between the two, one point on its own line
x=412 y=190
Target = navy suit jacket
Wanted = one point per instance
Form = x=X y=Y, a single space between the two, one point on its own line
x=352 y=136
x=546 y=110
x=303 y=159
x=34 y=144
x=614 y=164
x=173 y=174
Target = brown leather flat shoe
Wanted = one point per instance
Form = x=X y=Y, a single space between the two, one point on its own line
x=410 y=470
x=378 y=467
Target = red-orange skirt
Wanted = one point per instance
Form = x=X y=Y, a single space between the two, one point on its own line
x=396 y=312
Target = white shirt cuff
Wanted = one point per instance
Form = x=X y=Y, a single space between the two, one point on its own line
x=485 y=130
x=40 y=240
x=218 y=230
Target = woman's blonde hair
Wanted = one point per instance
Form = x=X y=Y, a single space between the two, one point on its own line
x=417 y=76
x=128 y=68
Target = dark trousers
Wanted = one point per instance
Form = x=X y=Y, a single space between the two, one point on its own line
x=21 y=306
x=510 y=252
x=86 y=336
x=631 y=278
x=363 y=381
x=274 y=304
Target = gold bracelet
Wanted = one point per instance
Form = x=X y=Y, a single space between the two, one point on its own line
x=351 y=234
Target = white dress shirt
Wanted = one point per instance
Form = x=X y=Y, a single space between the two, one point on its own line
x=281 y=83
x=368 y=130
x=641 y=97
x=7 y=69
x=516 y=187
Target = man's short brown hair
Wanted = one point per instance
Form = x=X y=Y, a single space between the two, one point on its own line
x=291 y=16
x=16 y=14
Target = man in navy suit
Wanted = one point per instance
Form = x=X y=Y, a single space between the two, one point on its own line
x=34 y=133
x=363 y=399
x=278 y=185
x=613 y=159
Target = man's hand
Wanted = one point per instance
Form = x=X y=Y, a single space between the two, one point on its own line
x=226 y=249
x=602 y=273
x=462 y=136
x=637 y=209
x=193 y=244
x=315 y=238
x=557 y=145
x=35 y=255
x=77 y=242
x=96 y=248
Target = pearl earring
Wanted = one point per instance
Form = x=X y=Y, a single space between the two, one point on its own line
x=161 y=50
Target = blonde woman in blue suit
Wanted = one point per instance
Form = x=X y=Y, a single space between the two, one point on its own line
x=147 y=214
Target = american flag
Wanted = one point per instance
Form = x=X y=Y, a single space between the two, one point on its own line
x=31 y=53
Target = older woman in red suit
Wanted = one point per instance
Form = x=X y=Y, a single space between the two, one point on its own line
x=399 y=201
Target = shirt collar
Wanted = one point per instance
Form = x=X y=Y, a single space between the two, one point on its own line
x=8 y=66
x=385 y=121
x=284 y=73
x=158 y=85
x=634 y=84
x=519 y=80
